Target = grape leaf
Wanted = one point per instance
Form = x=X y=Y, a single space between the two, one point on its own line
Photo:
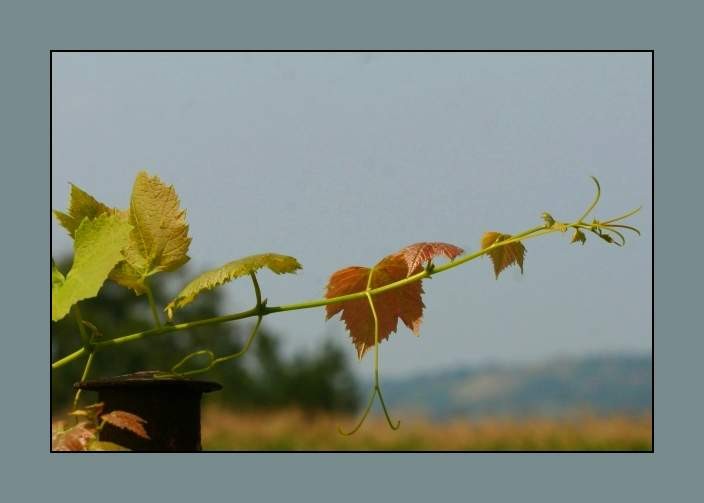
x=125 y=275
x=76 y=438
x=57 y=278
x=126 y=421
x=418 y=253
x=97 y=248
x=159 y=238
x=403 y=302
x=506 y=255
x=57 y=430
x=237 y=268
x=81 y=205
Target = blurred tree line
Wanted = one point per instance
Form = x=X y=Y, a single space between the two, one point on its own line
x=261 y=378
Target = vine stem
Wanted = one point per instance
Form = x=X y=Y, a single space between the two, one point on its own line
x=86 y=347
x=68 y=358
x=84 y=376
x=597 y=196
x=152 y=304
x=376 y=389
x=81 y=329
x=216 y=361
x=257 y=290
x=266 y=310
x=377 y=385
x=213 y=361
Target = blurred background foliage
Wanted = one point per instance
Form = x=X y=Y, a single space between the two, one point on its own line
x=262 y=378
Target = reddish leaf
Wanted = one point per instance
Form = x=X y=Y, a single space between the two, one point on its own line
x=76 y=438
x=503 y=256
x=57 y=431
x=404 y=302
x=417 y=254
x=127 y=421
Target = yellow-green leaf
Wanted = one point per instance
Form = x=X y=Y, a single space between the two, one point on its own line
x=159 y=239
x=237 y=268
x=101 y=445
x=81 y=205
x=79 y=412
x=57 y=277
x=97 y=248
x=125 y=275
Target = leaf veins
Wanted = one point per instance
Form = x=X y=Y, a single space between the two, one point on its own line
x=419 y=253
x=279 y=264
x=97 y=248
x=126 y=421
x=81 y=205
x=503 y=256
x=159 y=240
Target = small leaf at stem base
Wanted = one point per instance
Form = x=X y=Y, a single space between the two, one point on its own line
x=578 y=237
x=419 y=253
x=127 y=421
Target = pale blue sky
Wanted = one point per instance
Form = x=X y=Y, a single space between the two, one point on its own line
x=340 y=159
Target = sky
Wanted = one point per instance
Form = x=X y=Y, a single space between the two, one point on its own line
x=339 y=159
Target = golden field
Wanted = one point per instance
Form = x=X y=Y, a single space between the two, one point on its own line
x=292 y=430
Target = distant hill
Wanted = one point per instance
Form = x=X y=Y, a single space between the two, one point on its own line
x=599 y=384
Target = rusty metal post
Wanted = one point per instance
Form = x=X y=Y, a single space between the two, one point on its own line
x=170 y=407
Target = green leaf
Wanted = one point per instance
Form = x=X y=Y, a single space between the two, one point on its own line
x=97 y=248
x=578 y=237
x=57 y=280
x=159 y=239
x=82 y=205
x=208 y=280
x=547 y=217
x=125 y=275
x=57 y=277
